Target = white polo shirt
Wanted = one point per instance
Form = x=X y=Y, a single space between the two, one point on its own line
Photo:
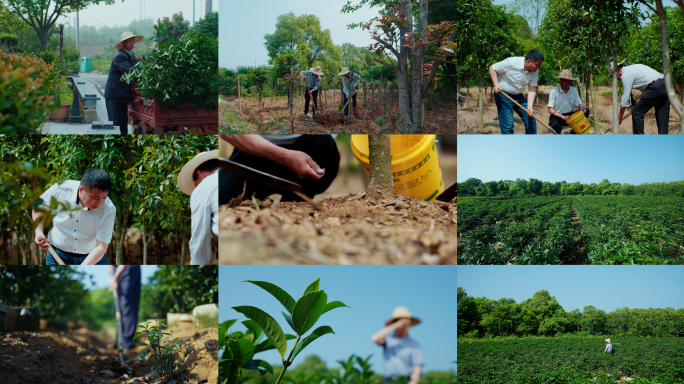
x=564 y=102
x=636 y=76
x=513 y=77
x=76 y=230
x=204 y=208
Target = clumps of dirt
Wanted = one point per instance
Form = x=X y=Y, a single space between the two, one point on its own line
x=83 y=356
x=351 y=229
x=329 y=119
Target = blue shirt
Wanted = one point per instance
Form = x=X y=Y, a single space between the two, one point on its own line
x=609 y=348
x=311 y=80
x=401 y=355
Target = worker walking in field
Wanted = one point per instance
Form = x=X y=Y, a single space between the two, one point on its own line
x=511 y=76
x=126 y=283
x=313 y=83
x=118 y=94
x=562 y=101
x=82 y=230
x=350 y=84
x=311 y=161
x=199 y=179
x=402 y=355
x=654 y=95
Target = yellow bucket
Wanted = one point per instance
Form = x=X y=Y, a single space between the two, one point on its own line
x=579 y=123
x=414 y=164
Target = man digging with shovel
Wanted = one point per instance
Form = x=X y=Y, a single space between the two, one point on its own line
x=125 y=286
x=81 y=232
x=313 y=83
x=199 y=179
x=654 y=95
x=511 y=76
x=350 y=84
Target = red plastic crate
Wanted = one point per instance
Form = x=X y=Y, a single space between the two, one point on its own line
x=147 y=117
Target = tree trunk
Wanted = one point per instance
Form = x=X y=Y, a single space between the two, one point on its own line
x=665 y=52
x=380 y=164
x=616 y=123
x=182 y=254
x=364 y=92
x=120 y=230
x=594 y=119
x=480 y=101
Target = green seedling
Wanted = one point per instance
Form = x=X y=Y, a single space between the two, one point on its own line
x=160 y=355
x=301 y=316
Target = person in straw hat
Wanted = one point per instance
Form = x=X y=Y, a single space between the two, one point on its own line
x=401 y=354
x=313 y=83
x=199 y=179
x=609 y=347
x=350 y=83
x=562 y=101
x=118 y=94
x=654 y=95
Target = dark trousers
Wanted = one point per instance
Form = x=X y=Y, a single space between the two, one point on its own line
x=70 y=258
x=558 y=124
x=322 y=150
x=128 y=292
x=344 y=102
x=655 y=95
x=308 y=97
x=118 y=114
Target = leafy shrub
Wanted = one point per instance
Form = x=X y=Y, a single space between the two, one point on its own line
x=209 y=25
x=27 y=92
x=178 y=289
x=8 y=39
x=160 y=355
x=182 y=71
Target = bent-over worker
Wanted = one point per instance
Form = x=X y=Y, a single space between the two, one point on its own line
x=511 y=76
x=350 y=84
x=654 y=95
x=82 y=232
x=313 y=83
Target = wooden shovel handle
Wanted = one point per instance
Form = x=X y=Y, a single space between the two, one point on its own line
x=523 y=108
x=55 y=255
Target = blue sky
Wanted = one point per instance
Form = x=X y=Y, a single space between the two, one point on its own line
x=244 y=24
x=604 y=287
x=586 y=158
x=102 y=277
x=372 y=292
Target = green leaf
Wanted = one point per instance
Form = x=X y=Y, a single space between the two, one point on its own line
x=241 y=350
x=268 y=324
x=254 y=327
x=318 y=332
x=283 y=297
x=267 y=344
x=307 y=310
x=334 y=304
x=260 y=365
x=288 y=318
x=313 y=286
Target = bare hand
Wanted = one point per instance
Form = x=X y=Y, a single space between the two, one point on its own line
x=497 y=89
x=303 y=165
x=566 y=118
x=113 y=285
x=530 y=112
x=42 y=241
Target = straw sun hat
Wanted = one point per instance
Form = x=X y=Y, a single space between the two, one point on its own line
x=317 y=70
x=127 y=35
x=343 y=72
x=608 y=341
x=567 y=75
x=402 y=313
x=185 y=182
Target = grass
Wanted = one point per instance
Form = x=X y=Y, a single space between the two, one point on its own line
x=608 y=93
x=230 y=122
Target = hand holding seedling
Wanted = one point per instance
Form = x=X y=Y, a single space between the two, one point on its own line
x=301 y=315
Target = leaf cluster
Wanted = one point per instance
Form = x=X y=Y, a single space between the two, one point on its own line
x=160 y=355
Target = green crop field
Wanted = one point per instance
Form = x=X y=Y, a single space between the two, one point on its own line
x=572 y=230
x=571 y=360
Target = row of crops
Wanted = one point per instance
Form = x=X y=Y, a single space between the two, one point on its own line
x=587 y=229
x=571 y=360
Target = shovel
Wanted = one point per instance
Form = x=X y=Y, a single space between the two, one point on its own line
x=634 y=101
x=523 y=108
x=119 y=329
x=55 y=255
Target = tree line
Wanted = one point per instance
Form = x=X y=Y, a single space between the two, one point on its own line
x=534 y=187
x=542 y=315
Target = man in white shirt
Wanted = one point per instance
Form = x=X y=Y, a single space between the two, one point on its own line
x=82 y=228
x=311 y=161
x=199 y=179
x=562 y=101
x=511 y=76
x=654 y=94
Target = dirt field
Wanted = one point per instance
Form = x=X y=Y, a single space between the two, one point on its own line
x=84 y=356
x=468 y=116
x=272 y=117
